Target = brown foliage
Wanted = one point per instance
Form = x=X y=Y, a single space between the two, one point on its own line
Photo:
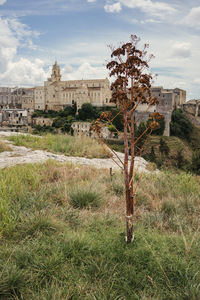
x=131 y=87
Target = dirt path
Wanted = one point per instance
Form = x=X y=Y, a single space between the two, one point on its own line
x=21 y=155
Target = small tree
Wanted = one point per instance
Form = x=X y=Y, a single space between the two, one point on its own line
x=180 y=159
x=163 y=147
x=180 y=125
x=152 y=156
x=196 y=162
x=131 y=87
x=87 y=112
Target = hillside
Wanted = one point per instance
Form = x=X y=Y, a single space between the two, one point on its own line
x=175 y=144
x=195 y=138
x=62 y=235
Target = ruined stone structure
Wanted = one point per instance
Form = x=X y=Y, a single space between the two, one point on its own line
x=14 y=118
x=84 y=129
x=169 y=99
x=20 y=98
x=42 y=121
x=57 y=94
x=192 y=107
x=27 y=99
x=192 y=110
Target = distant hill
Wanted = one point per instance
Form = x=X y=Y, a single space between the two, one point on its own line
x=175 y=145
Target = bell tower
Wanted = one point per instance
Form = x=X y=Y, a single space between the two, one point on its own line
x=55 y=75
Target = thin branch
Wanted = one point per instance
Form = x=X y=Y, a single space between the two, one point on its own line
x=150 y=104
x=141 y=135
x=103 y=140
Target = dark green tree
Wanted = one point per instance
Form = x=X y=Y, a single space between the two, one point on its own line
x=118 y=120
x=139 y=132
x=180 y=159
x=152 y=156
x=160 y=130
x=87 y=112
x=180 y=126
x=163 y=147
x=196 y=162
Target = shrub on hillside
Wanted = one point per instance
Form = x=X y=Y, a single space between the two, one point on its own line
x=180 y=126
x=160 y=130
x=196 y=162
x=85 y=197
x=164 y=148
x=87 y=112
x=152 y=156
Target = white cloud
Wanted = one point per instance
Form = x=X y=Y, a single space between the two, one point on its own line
x=14 y=35
x=158 y=9
x=134 y=21
x=24 y=73
x=2 y=2
x=197 y=81
x=91 y=1
x=84 y=71
x=182 y=49
x=150 y=21
x=113 y=8
x=193 y=18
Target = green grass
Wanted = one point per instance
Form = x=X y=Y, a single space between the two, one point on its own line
x=62 y=144
x=175 y=144
x=85 y=197
x=51 y=250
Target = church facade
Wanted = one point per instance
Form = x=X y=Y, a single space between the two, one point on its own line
x=57 y=94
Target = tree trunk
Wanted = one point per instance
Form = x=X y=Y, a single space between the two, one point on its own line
x=129 y=217
x=129 y=198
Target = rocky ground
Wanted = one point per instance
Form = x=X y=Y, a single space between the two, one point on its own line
x=21 y=155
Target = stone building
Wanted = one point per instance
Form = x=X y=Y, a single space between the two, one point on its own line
x=5 y=97
x=81 y=128
x=20 y=98
x=84 y=129
x=42 y=121
x=14 y=117
x=169 y=99
x=192 y=107
x=57 y=94
x=39 y=98
x=27 y=99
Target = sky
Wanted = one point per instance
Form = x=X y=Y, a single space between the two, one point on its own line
x=77 y=33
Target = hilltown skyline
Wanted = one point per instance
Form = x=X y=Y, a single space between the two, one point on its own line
x=33 y=34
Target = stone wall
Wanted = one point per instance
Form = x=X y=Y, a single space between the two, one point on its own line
x=14 y=117
x=42 y=121
x=192 y=108
x=144 y=116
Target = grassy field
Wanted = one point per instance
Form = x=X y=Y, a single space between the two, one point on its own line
x=4 y=147
x=62 y=235
x=175 y=144
x=63 y=144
